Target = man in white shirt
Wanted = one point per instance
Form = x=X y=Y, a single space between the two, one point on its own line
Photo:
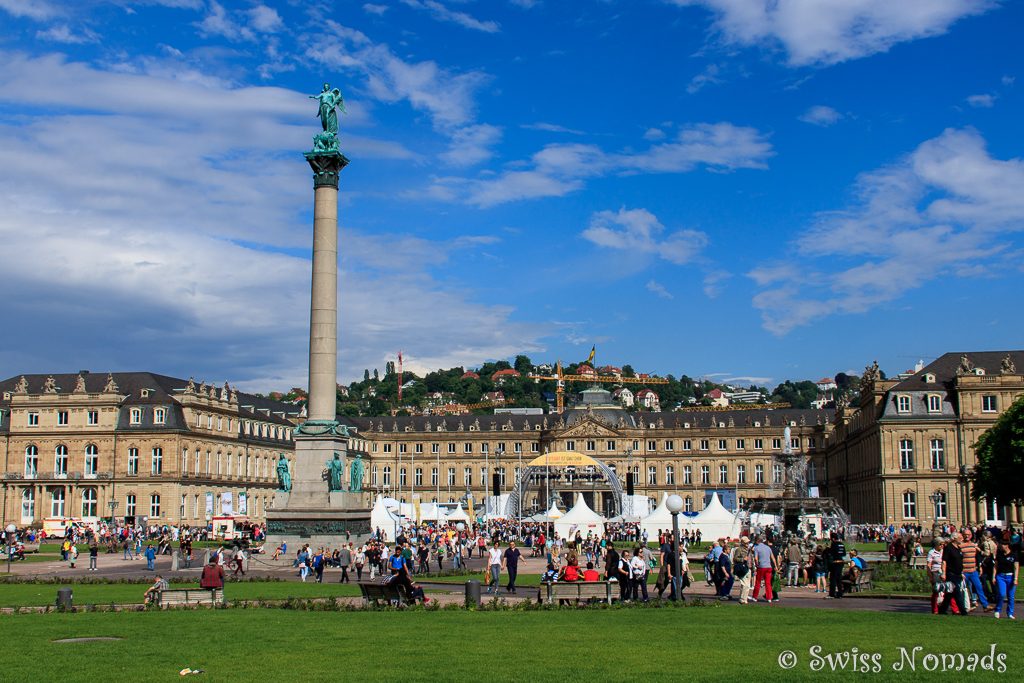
x=494 y=564
x=638 y=570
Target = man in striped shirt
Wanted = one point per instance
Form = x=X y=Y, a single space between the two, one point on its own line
x=971 y=577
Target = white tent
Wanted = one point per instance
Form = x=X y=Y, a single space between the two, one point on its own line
x=660 y=519
x=714 y=521
x=458 y=515
x=580 y=518
x=553 y=512
x=384 y=519
x=432 y=512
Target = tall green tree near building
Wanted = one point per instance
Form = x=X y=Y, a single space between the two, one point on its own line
x=999 y=473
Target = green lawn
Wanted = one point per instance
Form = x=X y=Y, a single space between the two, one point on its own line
x=698 y=643
x=32 y=594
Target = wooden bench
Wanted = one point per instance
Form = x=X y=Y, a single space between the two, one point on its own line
x=917 y=561
x=578 y=591
x=376 y=592
x=863 y=582
x=191 y=596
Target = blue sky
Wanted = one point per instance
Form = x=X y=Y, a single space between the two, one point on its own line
x=732 y=188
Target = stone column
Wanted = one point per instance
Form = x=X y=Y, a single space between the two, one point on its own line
x=323 y=314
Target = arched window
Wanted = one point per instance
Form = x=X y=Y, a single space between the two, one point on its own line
x=723 y=474
x=158 y=461
x=90 y=502
x=28 y=505
x=941 y=506
x=906 y=454
x=92 y=461
x=387 y=475
x=57 y=501
x=60 y=464
x=31 y=461
x=154 y=505
x=130 y=502
x=909 y=505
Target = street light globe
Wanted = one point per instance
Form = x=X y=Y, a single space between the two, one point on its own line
x=460 y=526
x=674 y=503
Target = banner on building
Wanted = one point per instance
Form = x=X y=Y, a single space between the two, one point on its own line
x=243 y=504
x=209 y=505
x=227 y=506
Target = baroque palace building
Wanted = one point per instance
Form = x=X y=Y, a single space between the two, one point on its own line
x=449 y=459
x=138 y=446
x=904 y=454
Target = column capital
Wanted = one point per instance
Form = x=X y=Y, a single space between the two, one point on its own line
x=326 y=167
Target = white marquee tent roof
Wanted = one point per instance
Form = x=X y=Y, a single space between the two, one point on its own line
x=580 y=518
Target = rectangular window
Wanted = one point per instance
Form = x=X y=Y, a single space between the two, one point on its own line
x=181 y=510
x=154 y=505
x=387 y=448
x=418 y=448
x=129 y=505
x=133 y=462
x=220 y=424
x=403 y=448
x=741 y=474
x=33 y=419
x=433 y=476
x=570 y=445
x=776 y=473
x=535 y=447
x=451 y=477
x=517 y=447
x=704 y=444
x=451 y=448
x=670 y=475
x=687 y=445
x=741 y=444
x=812 y=473
x=934 y=403
x=158 y=461
x=794 y=443
x=906 y=454
x=723 y=474
x=705 y=474
x=435 y=448
x=758 y=444
x=811 y=443
x=636 y=445
x=652 y=475
x=418 y=477
x=93 y=417
x=909 y=505
x=687 y=474
x=902 y=404
x=722 y=445
x=591 y=445
x=777 y=444
x=402 y=483
x=485 y=448
x=62 y=418
x=937 y=451
x=467 y=476
x=135 y=416
x=467 y=448
x=670 y=446
x=940 y=505
x=989 y=404
x=609 y=445
x=758 y=474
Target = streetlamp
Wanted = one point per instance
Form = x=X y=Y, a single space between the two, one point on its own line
x=497 y=473
x=674 y=503
x=935 y=498
x=113 y=506
x=11 y=530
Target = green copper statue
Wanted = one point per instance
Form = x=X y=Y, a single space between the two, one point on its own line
x=284 y=477
x=335 y=467
x=355 y=480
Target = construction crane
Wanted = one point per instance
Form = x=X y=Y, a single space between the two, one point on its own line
x=560 y=378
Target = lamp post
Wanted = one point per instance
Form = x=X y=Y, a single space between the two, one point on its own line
x=113 y=506
x=935 y=498
x=11 y=530
x=674 y=503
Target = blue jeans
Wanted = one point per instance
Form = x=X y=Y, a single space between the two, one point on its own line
x=1005 y=591
x=150 y=563
x=974 y=582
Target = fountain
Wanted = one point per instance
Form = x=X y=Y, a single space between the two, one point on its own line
x=795 y=503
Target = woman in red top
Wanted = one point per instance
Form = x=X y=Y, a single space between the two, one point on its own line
x=590 y=575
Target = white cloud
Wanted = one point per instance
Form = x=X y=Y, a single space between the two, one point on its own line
x=62 y=33
x=265 y=19
x=1007 y=80
x=943 y=210
x=983 y=101
x=559 y=169
x=822 y=32
x=820 y=115
x=550 y=128
x=638 y=231
x=713 y=283
x=371 y=8
x=659 y=289
x=39 y=10
x=444 y=13
x=472 y=145
x=173 y=238
x=654 y=134
x=711 y=75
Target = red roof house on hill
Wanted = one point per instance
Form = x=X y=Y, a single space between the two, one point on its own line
x=500 y=376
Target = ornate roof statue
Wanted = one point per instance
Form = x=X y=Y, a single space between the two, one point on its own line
x=22 y=386
x=803 y=420
x=966 y=366
x=476 y=425
x=190 y=388
x=732 y=422
x=543 y=424
x=225 y=392
x=330 y=101
x=213 y=391
x=1007 y=366
x=461 y=427
x=872 y=374
x=111 y=385
x=426 y=425
x=202 y=388
x=233 y=398
x=80 y=385
x=50 y=385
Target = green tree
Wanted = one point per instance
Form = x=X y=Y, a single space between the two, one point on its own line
x=523 y=364
x=366 y=375
x=999 y=472
x=627 y=371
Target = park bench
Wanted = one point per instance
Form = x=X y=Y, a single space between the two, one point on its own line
x=862 y=582
x=191 y=596
x=376 y=592
x=917 y=561
x=577 y=591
